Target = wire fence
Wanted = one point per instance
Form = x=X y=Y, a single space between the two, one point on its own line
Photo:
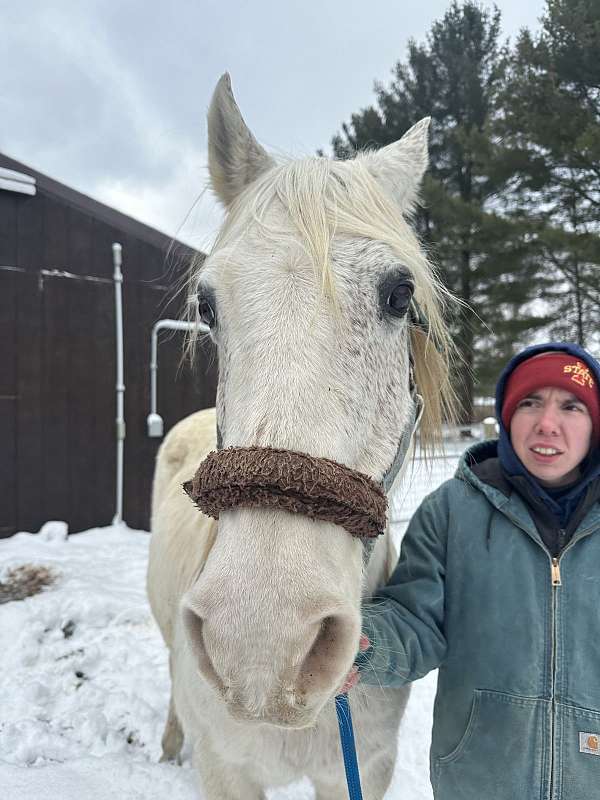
x=424 y=475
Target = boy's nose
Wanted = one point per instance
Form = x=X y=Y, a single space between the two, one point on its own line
x=548 y=422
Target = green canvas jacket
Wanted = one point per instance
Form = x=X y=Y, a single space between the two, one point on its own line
x=515 y=634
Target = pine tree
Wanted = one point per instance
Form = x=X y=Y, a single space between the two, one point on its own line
x=551 y=127
x=484 y=255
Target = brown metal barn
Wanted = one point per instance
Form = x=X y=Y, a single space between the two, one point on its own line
x=57 y=354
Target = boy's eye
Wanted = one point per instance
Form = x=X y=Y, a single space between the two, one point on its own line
x=572 y=407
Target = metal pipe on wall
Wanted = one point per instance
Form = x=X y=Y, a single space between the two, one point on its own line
x=154 y=421
x=120 y=385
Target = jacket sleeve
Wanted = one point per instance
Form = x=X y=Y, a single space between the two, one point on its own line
x=405 y=619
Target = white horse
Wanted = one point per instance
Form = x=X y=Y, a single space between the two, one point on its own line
x=307 y=293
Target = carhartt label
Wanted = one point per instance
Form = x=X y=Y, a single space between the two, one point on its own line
x=589 y=743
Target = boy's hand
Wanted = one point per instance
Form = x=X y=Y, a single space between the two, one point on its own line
x=353 y=676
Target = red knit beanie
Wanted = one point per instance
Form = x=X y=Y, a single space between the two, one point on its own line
x=559 y=370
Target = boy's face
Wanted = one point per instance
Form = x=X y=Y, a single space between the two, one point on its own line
x=550 y=432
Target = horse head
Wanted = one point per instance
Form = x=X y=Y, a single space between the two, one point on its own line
x=307 y=293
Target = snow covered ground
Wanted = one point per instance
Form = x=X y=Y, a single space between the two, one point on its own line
x=84 y=677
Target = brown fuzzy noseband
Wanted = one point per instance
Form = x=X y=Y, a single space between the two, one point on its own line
x=299 y=483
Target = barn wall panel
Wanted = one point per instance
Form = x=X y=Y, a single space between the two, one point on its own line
x=206 y=373
x=30 y=227
x=8 y=478
x=104 y=402
x=85 y=373
x=8 y=400
x=80 y=239
x=153 y=264
x=133 y=401
x=55 y=396
x=8 y=229
x=8 y=338
x=56 y=234
x=29 y=470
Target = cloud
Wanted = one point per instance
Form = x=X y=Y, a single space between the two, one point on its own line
x=179 y=202
x=110 y=98
x=83 y=110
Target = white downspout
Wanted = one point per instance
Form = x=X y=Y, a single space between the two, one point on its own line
x=154 y=421
x=120 y=387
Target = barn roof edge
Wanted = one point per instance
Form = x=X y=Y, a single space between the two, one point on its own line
x=110 y=215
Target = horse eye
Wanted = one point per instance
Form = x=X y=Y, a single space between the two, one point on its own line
x=399 y=299
x=206 y=312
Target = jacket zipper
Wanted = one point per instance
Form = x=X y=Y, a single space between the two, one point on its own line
x=556 y=582
x=555 y=569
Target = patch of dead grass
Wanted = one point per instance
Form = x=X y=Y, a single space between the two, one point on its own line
x=25 y=581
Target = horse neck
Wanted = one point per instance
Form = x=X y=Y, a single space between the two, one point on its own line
x=376 y=573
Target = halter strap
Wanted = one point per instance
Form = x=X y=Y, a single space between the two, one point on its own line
x=404 y=444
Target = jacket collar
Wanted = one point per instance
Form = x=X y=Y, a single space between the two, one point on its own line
x=512 y=504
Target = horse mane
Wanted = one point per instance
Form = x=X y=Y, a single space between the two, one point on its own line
x=324 y=198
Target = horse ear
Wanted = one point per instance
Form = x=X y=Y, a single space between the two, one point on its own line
x=235 y=158
x=399 y=167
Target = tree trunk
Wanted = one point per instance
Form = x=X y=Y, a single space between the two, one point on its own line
x=579 y=307
x=465 y=384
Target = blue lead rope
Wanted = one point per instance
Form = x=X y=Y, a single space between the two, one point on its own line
x=344 y=717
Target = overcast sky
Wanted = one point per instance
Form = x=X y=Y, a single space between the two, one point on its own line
x=110 y=96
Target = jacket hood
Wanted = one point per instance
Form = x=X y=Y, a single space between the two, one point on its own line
x=509 y=459
x=529 y=352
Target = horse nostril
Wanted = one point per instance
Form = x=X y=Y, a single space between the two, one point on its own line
x=328 y=656
x=193 y=625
